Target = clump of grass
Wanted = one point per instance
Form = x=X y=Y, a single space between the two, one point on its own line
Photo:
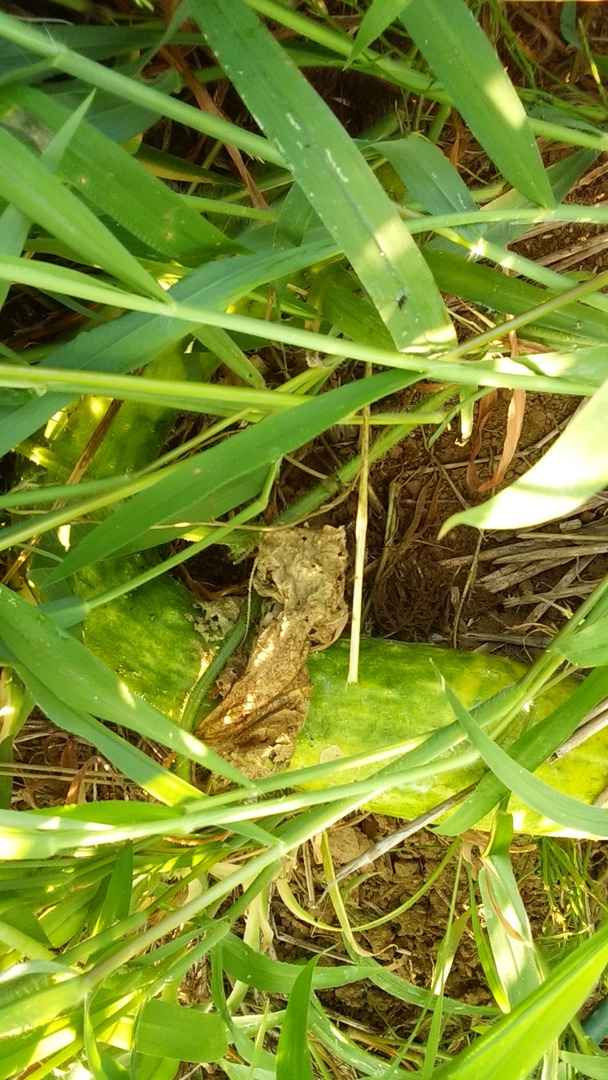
x=286 y=238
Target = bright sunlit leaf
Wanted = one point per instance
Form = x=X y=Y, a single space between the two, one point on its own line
x=572 y=470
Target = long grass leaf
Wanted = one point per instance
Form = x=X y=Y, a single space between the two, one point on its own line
x=332 y=173
x=128 y=89
x=514 y=952
x=554 y=805
x=114 y=181
x=126 y=758
x=482 y=284
x=124 y=344
x=429 y=177
x=530 y=750
x=377 y=19
x=465 y=63
x=176 y=394
x=293 y=1056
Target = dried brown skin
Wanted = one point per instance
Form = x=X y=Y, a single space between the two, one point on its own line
x=302 y=572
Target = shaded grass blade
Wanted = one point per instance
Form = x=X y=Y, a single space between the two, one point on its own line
x=130 y=90
x=123 y=344
x=199 y=490
x=28 y=185
x=115 y=182
x=429 y=177
x=377 y=19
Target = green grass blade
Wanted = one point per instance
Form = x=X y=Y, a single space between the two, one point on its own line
x=463 y=60
x=429 y=177
x=574 y=468
x=208 y=398
x=513 y=1046
x=116 y=896
x=293 y=1056
x=530 y=750
x=276 y=976
x=586 y=1065
x=123 y=344
x=499 y=292
x=332 y=173
x=33 y=1006
x=114 y=181
x=127 y=759
x=102 y=1065
x=566 y=811
x=508 y=927
x=28 y=185
x=217 y=480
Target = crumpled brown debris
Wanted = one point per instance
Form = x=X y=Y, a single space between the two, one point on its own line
x=301 y=571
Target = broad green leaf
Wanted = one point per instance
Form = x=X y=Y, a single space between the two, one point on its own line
x=570 y=813
x=465 y=63
x=429 y=177
x=513 y=1046
x=331 y=171
x=174 y=1031
x=217 y=480
x=377 y=19
x=573 y=469
x=114 y=182
x=293 y=1054
x=27 y=184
